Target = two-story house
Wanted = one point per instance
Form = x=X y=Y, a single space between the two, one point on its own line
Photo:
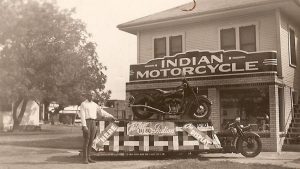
x=237 y=82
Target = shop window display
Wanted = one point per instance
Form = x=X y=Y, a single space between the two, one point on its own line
x=251 y=105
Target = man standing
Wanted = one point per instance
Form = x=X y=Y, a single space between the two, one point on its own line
x=88 y=115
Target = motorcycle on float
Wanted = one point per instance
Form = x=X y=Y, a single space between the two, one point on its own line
x=239 y=139
x=183 y=100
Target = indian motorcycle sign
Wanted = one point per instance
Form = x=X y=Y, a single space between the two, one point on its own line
x=204 y=63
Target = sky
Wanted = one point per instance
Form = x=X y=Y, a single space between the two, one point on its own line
x=116 y=49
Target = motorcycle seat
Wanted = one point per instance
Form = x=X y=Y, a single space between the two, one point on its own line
x=166 y=92
x=226 y=133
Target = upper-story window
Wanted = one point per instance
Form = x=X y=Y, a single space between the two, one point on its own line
x=160 y=47
x=292 y=47
x=239 y=37
x=168 y=46
x=228 y=39
x=175 y=44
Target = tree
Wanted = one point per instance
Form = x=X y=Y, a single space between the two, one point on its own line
x=45 y=55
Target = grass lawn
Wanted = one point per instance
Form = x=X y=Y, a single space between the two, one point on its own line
x=197 y=164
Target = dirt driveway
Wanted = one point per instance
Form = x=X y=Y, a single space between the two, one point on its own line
x=56 y=147
x=15 y=157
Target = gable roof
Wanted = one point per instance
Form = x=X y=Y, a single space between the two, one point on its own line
x=202 y=7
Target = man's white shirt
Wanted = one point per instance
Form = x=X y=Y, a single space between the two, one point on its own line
x=89 y=109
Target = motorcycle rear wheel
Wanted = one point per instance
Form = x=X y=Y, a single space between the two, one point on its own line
x=200 y=110
x=250 y=146
x=142 y=112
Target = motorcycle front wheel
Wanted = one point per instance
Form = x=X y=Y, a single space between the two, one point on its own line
x=200 y=110
x=142 y=112
x=250 y=146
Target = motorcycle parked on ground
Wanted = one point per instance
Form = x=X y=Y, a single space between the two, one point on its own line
x=239 y=139
x=183 y=100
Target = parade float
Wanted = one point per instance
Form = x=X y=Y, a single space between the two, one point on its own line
x=177 y=120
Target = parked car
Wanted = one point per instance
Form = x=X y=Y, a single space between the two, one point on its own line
x=69 y=115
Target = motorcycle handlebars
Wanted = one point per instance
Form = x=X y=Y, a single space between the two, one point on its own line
x=237 y=124
x=182 y=86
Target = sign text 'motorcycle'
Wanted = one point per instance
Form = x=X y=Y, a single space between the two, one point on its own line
x=200 y=63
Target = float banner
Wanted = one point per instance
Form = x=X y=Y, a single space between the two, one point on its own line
x=104 y=135
x=204 y=63
x=135 y=128
x=197 y=134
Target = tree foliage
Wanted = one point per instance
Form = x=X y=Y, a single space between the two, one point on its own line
x=46 y=54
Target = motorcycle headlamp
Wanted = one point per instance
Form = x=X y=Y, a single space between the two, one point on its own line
x=131 y=100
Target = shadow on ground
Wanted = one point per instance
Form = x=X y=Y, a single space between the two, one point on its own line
x=297 y=161
x=65 y=159
x=220 y=157
x=118 y=157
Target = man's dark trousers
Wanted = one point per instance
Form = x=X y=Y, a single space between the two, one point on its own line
x=88 y=138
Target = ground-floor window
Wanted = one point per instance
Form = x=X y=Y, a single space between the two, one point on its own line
x=251 y=105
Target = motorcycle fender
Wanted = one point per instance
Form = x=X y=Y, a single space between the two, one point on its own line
x=205 y=99
x=144 y=96
x=251 y=134
x=246 y=135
